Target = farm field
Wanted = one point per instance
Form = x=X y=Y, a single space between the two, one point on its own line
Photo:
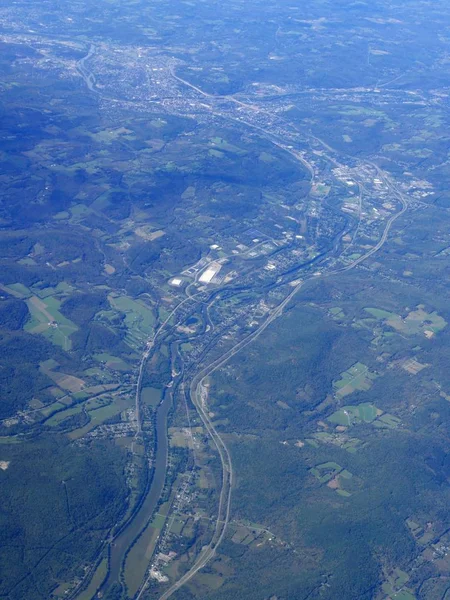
x=98 y=416
x=416 y=321
x=111 y=362
x=357 y=377
x=277 y=431
x=348 y=415
x=139 y=319
x=47 y=320
x=363 y=413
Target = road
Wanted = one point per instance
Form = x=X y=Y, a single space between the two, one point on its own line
x=198 y=387
x=197 y=398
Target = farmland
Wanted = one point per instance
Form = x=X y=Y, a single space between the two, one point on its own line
x=415 y=322
x=363 y=413
x=139 y=319
x=357 y=377
x=334 y=476
x=224 y=233
x=46 y=319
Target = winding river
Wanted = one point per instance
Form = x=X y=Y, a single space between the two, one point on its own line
x=126 y=537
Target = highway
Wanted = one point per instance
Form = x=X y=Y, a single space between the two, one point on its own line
x=198 y=389
x=199 y=400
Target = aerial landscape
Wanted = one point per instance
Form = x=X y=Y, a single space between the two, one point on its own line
x=224 y=300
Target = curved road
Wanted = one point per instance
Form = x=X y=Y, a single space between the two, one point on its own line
x=198 y=390
x=198 y=399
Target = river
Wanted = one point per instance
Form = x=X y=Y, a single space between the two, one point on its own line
x=123 y=541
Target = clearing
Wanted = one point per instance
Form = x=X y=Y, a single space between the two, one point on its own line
x=363 y=413
x=46 y=319
x=416 y=322
x=357 y=377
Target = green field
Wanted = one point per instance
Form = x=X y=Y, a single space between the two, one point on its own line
x=337 y=312
x=416 y=322
x=51 y=408
x=112 y=362
x=350 y=415
x=47 y=320
x=96 y=372
x=64 y=414
x=99 y=415
x=326 y=471
x=349 y=444
x=61 y=288
x=420 y=321
x=221 y=144
x=18 y=290
x=387 y=421
x=334 y=476
x=395 y=588
x=177 y=526
x=363 y=413
x=378 y=313
x=139 y=319
x=357 y=377
x=138 y=559
x=95 y=582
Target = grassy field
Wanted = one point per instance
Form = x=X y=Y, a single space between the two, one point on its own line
x=350 y=444
x=112 y=362
x=219 y=143
x=64 y=414
x=420 y=321
x=51 y=408
x=205 y=583
x=326 y=471
x=363 y=413
x=66 y=382
x=395 y=588
x=378 y=313
x=18 y=290
x=61 y=288
x=337 y=312
x=177 y=526
x=97 y=373
x=179 y=437
x=357 y=377
x=47 y=320
x=139 y=319
x=349 y=415
x=334 y=476
x=416 y=322
x=387 y=421
x=100 y=415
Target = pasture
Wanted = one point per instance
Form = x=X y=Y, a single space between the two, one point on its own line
x=357 y=377
x=416 y=322
x=363 y=413
x=350 y=415
x=139 y=319
x=47 y=320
